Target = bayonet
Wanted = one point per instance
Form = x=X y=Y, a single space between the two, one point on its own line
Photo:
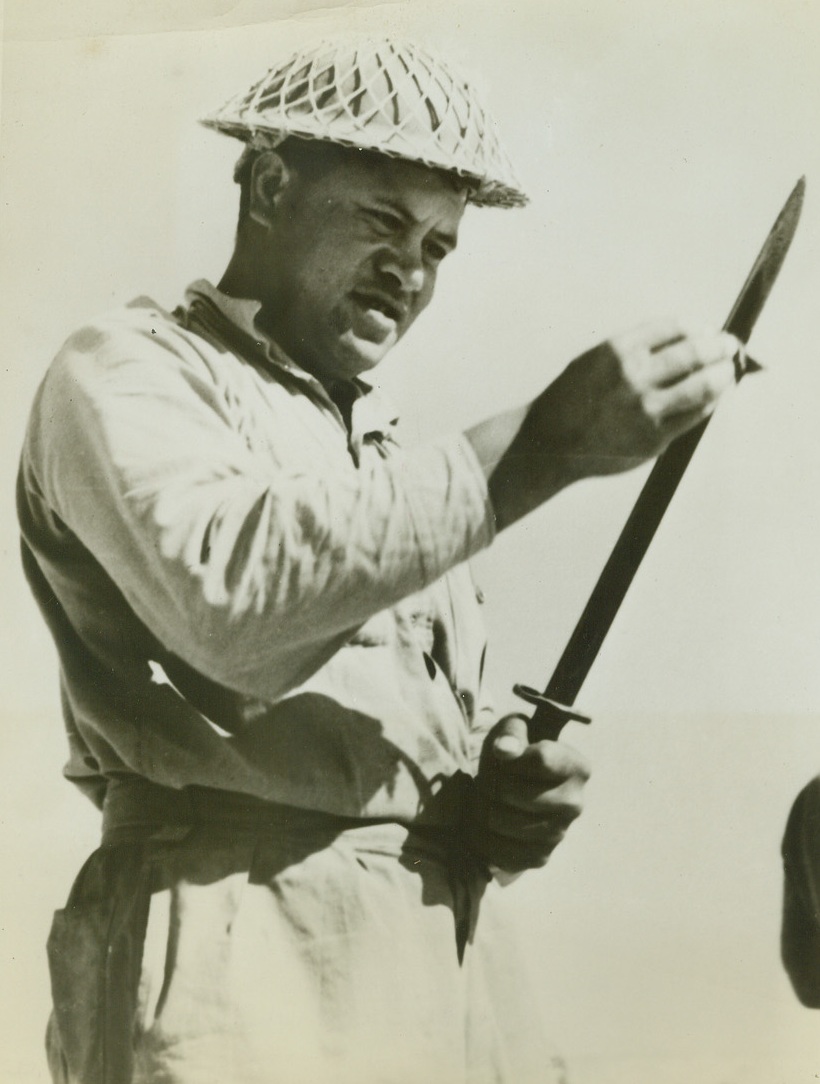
x=554 y=707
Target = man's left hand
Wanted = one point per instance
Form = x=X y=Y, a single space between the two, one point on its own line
x=525 y=797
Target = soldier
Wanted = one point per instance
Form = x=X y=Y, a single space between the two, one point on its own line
x=800 y=925
x=271 y=650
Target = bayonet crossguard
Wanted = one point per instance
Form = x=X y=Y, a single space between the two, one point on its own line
x=553 y=707
x=549 y=716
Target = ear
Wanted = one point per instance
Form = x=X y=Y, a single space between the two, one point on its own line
x=269 y=179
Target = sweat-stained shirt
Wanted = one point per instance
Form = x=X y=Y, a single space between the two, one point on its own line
x=244 y=595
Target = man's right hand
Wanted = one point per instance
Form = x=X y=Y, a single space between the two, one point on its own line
x=525 y=796
x=612 y=408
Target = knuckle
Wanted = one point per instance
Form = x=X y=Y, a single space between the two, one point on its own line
x=538 y=861
x=509 y=724
x=701 y=338
x=626 y=363
x=547 y=757
x=570 y=805
x=661 y=330
x=725 y=374
x=635 y=368
x=652 y=410
x=704 y=394
x=577 y=765
x=564 y=812
x=583 y=770
x=619 y=344
x=561 y=762
x=536 y=857
x=720 y=377
x=729 y=343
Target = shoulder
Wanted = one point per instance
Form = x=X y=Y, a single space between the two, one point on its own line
x=802 y=834
x=807 y=802
x=107 y=370
x=139 y=331
x=138 y=349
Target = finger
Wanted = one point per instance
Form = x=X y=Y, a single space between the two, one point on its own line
x=689 y=354
x=509 y=737
x=513 y=855
x=696 y=393
x=534 y=800
x=546 y=764
x=650 y=336
x=544 y=818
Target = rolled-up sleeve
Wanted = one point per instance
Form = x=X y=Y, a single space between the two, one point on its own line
x=250 y=568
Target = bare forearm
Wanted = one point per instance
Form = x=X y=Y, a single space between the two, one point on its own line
x=523 y=467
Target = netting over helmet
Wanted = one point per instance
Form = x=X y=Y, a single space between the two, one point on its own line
x=383 y=96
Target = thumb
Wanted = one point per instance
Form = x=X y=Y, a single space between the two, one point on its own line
x=509 y=737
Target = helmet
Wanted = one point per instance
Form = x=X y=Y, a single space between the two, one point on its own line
x=383 y=96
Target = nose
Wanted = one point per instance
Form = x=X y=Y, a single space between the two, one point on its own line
x=404 y=263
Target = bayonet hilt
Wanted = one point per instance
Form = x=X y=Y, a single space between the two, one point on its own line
x=549 y=717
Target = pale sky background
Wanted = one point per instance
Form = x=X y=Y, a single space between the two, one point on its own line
x=658 y=142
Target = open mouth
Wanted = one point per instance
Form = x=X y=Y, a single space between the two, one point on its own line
x=382 y=303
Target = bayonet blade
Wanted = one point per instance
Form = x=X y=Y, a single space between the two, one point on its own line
x=766 y=268
x=553 y=707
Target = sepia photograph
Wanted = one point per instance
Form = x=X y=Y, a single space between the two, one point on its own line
x=411 y=467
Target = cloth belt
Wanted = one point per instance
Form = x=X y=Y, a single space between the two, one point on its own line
x=139 y=811
x=135 y=809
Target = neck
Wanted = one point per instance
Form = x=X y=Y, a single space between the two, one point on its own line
x=344 y=394
x=238 y=280
x=242 y=275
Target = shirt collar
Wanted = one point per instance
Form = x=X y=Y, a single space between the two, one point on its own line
x=241 y=312
x=373 y=414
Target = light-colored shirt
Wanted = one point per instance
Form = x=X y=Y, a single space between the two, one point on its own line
x=245 y=595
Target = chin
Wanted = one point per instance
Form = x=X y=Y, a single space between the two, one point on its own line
x=358 y=356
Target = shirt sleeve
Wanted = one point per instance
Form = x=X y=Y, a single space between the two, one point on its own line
x=251 y=571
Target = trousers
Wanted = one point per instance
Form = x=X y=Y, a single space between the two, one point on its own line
x=221 y=940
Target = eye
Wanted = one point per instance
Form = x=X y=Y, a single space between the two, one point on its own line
x=435 y=252
x=385 y=221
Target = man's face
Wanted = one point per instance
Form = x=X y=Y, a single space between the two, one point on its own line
x=352 y=260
